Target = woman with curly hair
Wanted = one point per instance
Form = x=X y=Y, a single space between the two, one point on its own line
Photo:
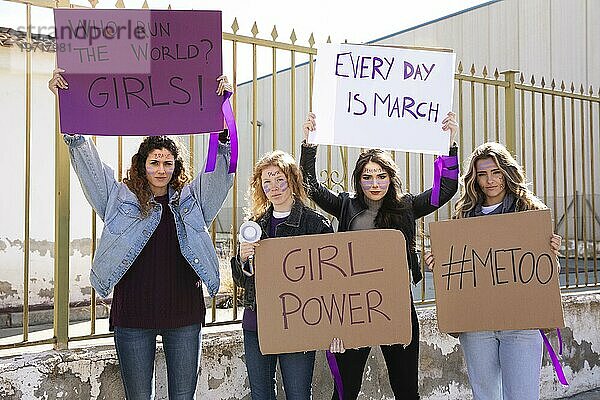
x=378 y=203
x=502 y=365
x=155 y=251
x=278 y=205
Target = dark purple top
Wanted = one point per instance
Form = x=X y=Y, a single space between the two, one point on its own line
x=160 y=290
x=249 y=320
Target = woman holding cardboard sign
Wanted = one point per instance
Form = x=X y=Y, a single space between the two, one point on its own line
x=155 y=252
x=380 y=203
x=277 y=204
x=502 y=365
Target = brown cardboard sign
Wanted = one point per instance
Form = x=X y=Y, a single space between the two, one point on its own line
x=351 y=285
x=496 y=272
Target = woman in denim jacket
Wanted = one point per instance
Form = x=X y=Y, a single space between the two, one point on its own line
x=155 y=251
x=502 y=365
x=277 y=204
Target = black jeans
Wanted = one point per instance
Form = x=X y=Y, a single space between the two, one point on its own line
x=402 y=364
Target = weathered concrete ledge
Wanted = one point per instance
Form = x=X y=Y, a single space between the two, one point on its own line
x=93 y=372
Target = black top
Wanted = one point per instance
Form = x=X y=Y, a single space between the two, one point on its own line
x=160 y=290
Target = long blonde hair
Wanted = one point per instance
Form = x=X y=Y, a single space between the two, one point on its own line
x=257 y=198
x=514 y=177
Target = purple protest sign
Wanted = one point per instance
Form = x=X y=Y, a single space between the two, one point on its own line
x=139 y=72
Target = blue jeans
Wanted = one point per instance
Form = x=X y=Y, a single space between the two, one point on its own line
x=136 y=349
x=296 y=370
x=503 y=365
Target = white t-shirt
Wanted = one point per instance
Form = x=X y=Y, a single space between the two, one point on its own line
x=489 y=209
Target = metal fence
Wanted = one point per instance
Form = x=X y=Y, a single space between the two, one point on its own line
x=553 y=129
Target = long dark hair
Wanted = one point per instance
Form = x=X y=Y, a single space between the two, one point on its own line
x=396 y=211
x=136 y=179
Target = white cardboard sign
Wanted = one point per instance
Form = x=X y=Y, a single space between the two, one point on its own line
x=383 y=97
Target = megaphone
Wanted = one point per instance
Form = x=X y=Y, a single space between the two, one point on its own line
x=250 y=232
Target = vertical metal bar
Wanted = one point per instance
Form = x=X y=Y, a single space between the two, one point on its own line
x=473 y=116
x=235 y=178
x=274 y=79
x=509 y=111
x=120 y=160
x=461 y=146
x=26 y=234
x=544 y=150
x=293 y=94
x=592 y=175
x=565 y=188
x=93 y=252
x=575 y=194
x=554 y=160
x=422 y=228
x=485 y=113
x=584 y=198
x=523 y=139
x=311 y=77
x=533 y=144
x=191 y=144
x=61 y=239
x=254 y=107
x=497 y=114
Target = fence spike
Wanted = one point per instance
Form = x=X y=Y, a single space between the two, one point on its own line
x=274 y=33
x=120 y=4
x=521 y=78
x=472 y=71
x=485 y=71
x=572 y=88
x=562 y=85
x=311 y=40
x=145 y=5
x=234 y=26
x=591 y=90
x=532 y=80
x=254 y=29
x=496 y=74
x=581 y=90
x=553 y=84
x=460 y=67
x=293 y=37
x=93 y=3
x=543 y=82
x=329 y=39
x=169 y=8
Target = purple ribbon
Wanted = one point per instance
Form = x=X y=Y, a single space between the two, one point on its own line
x=440 y=169
x=555 y=361
x=213 y=144
x=335 y=372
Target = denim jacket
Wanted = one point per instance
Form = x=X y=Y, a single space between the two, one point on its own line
x=126 y=233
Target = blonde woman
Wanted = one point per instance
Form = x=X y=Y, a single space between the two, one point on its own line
x=277 y=204
x=502 y=365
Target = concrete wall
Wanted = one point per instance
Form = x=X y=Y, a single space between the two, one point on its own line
x=93 y=372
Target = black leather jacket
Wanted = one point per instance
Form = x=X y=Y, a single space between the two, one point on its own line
x=345 y=206
x=302 y=220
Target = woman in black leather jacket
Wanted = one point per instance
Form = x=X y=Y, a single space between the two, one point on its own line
x=277 y=204
x=378 y=202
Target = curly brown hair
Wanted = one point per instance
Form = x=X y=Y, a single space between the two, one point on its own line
x=136 y=179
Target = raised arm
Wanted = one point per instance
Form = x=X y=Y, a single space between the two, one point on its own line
x=319 y=193
x=97 y=179
x=211 y=189
x=445 y=179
